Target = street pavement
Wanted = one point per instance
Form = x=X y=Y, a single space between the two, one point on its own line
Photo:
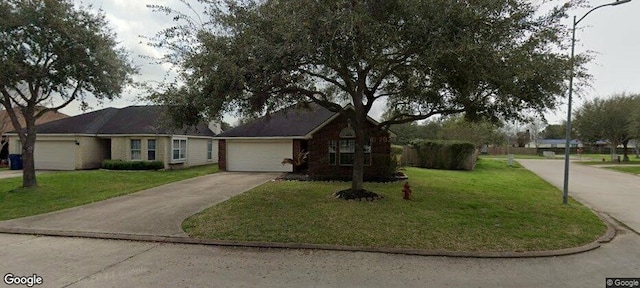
x=81 y=262
x=615 y=193
x=158 y=211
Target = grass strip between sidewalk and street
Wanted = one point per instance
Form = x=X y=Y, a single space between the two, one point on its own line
x=626 y=169
x=493 y=208
x=60 y=190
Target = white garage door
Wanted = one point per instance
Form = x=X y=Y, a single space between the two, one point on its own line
x=259 y=156
x=55 y=155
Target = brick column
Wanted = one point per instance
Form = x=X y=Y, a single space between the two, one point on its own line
x=222 y=155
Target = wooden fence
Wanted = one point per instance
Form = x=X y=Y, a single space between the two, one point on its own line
x=409 y=157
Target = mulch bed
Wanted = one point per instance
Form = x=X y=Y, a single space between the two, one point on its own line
x=357 y=195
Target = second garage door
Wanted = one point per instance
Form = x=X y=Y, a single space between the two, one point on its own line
x=259 y=156
x=55 y=155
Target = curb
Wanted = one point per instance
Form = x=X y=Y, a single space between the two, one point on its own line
x=605 y=238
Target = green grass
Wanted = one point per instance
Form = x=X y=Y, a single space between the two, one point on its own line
x=596 y=159
x=494 y=208
x=62 y=190
x=626 y=169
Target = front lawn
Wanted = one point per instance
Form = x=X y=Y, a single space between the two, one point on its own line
x=494 y=208
x=62 y=190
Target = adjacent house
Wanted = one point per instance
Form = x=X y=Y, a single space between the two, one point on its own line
x=263 y=144
x=6 y=125
x=553 y=143
x=134 y=133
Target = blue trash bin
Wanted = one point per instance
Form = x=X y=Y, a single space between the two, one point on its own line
x=15 y=161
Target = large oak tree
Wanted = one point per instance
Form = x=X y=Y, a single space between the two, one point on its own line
x=486 y=59
x=53 y=52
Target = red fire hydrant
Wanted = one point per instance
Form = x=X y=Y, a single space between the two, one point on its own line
x=406 y=189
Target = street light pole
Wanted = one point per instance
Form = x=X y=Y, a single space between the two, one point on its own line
x=567 y=147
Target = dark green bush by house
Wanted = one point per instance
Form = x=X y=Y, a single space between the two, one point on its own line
x=448 y=155
x=132 y=165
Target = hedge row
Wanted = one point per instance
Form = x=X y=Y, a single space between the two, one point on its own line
x=132 y=165
x=449 y=155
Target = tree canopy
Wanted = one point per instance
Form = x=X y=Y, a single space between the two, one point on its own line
x=555 y=131
x=608 y=119
x=53 y=53
x=487 y=59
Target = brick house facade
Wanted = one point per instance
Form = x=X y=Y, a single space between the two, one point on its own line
x=263 y=144
x=319 y=160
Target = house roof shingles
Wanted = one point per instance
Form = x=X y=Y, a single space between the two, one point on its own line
x=7 y=126
x=288 y=122
x=129 y=120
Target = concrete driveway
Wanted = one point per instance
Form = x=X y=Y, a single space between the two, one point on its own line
x=615 y=193
x=157 y=211
x=18 y=173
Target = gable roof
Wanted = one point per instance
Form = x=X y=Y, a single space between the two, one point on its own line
x=7 y=125
x=113 y=121
x=290 y=122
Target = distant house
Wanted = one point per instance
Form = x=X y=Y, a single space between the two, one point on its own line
x=553 y=143
x=263 y=144
x=135 y=133
x=6 y=125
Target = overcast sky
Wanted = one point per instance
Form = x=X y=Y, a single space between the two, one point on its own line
x=612 y=32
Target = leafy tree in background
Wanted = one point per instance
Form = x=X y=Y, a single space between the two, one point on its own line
x=487 y=59
x=634 y=124
x=555 y=131
x=607 y=119
x=479 y=133
x=406 y=132
x=53 y=51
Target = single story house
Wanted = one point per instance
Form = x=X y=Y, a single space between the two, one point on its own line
x=6 y=125
x=134 y=133
x=264 y=143
x=553 y=143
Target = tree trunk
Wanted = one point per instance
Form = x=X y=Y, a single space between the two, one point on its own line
x=28 y=148
x=625 y=158
x=358 y=161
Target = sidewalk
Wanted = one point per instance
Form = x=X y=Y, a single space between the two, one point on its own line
x=4 y=174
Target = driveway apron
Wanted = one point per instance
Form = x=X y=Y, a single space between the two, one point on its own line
x=157 y=211
x=615 y=193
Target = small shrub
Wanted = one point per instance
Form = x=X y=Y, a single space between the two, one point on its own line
x=132 y=165
x=396 y=150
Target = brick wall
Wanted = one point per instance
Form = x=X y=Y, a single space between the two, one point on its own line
x=222 y=155
x=319 y=152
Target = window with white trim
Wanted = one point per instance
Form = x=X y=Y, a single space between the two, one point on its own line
x=333 y=148
x=179 y=149
x=151 y=149
x=347 y=148
x=347 y=151
x=136 y=149
x=210 y=150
